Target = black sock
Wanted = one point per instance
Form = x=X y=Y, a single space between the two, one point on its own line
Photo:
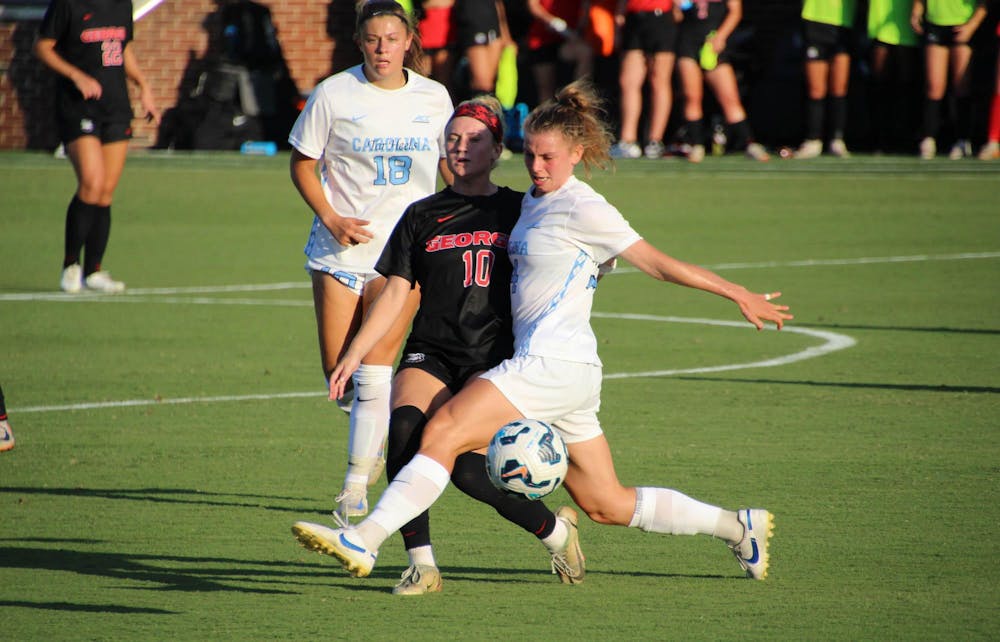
x=814 y=118
x=932 y=117
x=695 y=136
x=739 y=134
x=470 y=477
x=838 y=117
x=79 y=221
x=406 y=427
x=963 y=117
x=97 y=239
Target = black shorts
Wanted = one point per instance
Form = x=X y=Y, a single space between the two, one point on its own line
x=823 y=41
x=693 y=31
x=476 y=22
x=649 y=31
x=941 y=35
x=441 y=368
x=74 y=125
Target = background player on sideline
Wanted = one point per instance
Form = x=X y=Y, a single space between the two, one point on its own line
x=89 y=44
x=375 y=133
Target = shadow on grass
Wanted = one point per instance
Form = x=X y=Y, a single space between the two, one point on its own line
x=176 y=573
x=909 y=387
x=85 y=608
x=896 y=328
x=184 y=496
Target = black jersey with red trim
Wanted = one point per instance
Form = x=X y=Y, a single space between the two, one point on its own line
x=92 y=35
x=455 y=248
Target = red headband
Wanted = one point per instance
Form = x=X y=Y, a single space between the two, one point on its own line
x=483 y=114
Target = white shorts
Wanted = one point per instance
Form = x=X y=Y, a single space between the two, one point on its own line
x=355 y=281
x=565 y=394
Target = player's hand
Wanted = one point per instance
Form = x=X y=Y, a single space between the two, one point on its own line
x=964 y=33
x=349 y=231
x=88 y=86
x=719 y=43
x=758 y=308
x=341 y=375
x=153 y=114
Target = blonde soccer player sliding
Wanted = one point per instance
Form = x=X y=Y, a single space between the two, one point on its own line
x=565 y=233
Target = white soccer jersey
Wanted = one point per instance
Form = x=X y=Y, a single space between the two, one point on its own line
x=556 y=248
x=379 y=150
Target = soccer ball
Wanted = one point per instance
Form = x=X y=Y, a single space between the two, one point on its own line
x=527 y=458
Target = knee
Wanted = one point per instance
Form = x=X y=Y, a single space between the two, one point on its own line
x=610 y=508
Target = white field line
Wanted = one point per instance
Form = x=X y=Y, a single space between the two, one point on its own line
x=305 y=285
x=832 y=343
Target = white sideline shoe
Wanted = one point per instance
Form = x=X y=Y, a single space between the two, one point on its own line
x=654 y=149
x=838 y=148
x=355 y=558
x=419 y=579
x=623 y=149
x=569 y=564
x=102 y=282
x=928 y=148
x=72 y=279
x=961 y=149
x=756 y=151
x=990 y=151
x=810 y=148
x=696 y=154
x=751 y=551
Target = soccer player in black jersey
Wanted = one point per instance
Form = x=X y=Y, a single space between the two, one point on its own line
x=88 y=44
x=453 y=244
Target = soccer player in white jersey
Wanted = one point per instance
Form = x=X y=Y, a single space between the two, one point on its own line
x=375 y=132
x=565 y=233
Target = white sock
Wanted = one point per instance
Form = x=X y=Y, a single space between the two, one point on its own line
x=556 y=541
x=422 y=556
x=369 y=421
x=662 y=510
x=412 y=491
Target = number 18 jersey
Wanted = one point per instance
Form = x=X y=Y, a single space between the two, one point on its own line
x=379 y=151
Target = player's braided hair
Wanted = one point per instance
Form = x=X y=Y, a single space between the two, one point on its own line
x=368 y=9
x=577 y=112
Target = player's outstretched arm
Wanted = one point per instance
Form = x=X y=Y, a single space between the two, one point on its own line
x=756 y=308
x=384 y=312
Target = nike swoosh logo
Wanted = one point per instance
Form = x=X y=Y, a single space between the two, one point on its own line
x=347 y=544
x=355 y=119
x=445 y=218
x=753 y=559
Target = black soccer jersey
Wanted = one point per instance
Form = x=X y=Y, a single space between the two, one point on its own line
x=92 y=34
x=455 y=247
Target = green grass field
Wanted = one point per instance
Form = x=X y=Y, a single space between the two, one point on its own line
x=168 y=438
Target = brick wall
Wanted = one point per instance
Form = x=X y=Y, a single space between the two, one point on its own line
x=172 y=45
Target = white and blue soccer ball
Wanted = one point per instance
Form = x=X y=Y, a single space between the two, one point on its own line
x=527 y=458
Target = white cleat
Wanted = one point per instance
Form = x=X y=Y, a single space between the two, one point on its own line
x=569 y=564
x=72 y=279
x=838 y=148
x=961 y=149
x=351 y=502
x=696 y=154
x=751 y=551
x=928 y=148
x=810 y=148
x=102 y=282
x=623 y=149
x=336 y=542
x=6 y=436
x=757 y=152
x=419 y=579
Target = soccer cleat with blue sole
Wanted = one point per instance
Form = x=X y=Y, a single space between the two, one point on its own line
x=752 y=551
x=336 y=542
